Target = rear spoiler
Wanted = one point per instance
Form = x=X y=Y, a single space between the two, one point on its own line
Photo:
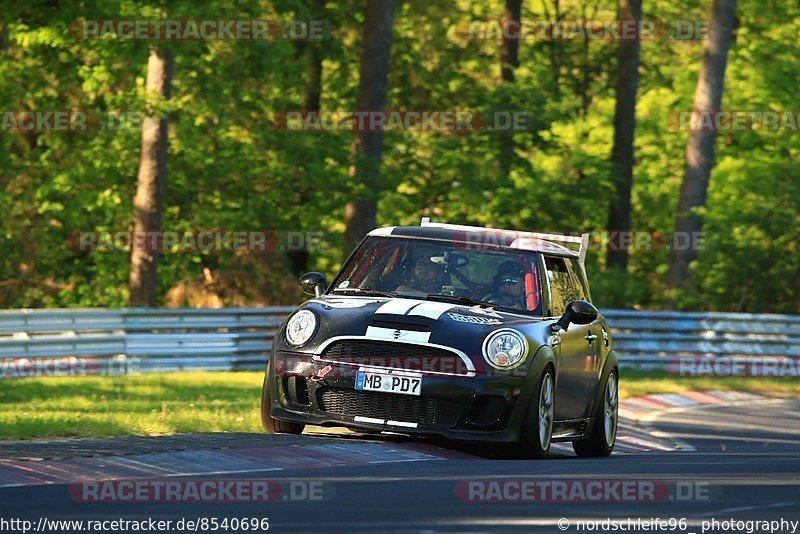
x=582 y=241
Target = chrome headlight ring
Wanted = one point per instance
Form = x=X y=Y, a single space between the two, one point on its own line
x=505 y=349
x=301 y=327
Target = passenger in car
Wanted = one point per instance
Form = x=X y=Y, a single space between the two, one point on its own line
x=427 y=277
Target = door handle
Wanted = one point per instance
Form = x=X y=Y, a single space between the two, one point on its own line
x=590 y=337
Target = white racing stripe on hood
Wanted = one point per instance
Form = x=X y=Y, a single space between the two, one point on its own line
x=348 y=302
x=432 y=310
x=375 y=332
x=397 y=306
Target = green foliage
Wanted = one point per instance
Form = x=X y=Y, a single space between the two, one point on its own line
x=616 y=288
x=230 y=167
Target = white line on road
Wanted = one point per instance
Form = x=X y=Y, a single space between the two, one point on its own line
x=745 y=508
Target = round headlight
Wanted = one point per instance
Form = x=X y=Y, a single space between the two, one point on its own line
x=301 y=327
x=505 y=348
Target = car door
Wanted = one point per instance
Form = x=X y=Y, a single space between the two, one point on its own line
x=594 y=334
x=574 y=348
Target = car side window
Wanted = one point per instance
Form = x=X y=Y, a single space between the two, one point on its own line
x=561 y=289
x=578 y=281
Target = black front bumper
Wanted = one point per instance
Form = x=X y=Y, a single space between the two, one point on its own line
x=482 y=407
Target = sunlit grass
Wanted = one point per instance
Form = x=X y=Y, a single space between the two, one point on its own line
x=130 y=405
x=637 y=383
x=219 y=401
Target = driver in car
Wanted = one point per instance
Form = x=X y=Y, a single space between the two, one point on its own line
x=428 y=277
x=507 y=285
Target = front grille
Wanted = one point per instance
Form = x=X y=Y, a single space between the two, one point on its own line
x=486 y=410
x=395 y=356
x=421 y=410
x=369 y=348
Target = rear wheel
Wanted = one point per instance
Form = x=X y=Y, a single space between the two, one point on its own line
x=270 y=424
x=538 y=431
x=604 y=435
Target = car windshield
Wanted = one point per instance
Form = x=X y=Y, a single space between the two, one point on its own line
x=443 y=271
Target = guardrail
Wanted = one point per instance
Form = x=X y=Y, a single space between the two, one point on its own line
x=655 y=339
x=116 y=341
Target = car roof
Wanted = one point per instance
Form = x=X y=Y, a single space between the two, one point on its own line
x=488 y=237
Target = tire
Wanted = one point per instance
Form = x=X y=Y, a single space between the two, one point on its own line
x=604 y=434
x=536 y=435
x=270 y=424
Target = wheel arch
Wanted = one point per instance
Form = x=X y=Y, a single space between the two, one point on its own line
x=543 y=357
x=610 y=364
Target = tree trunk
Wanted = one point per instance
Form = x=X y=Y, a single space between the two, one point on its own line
x=700 y=146
x=509 y=61
x=509 y=51
x=376 y=46
x=553 y=46
x=149 y=201
x=313 y=89
x=622 y=159
x=311 y=102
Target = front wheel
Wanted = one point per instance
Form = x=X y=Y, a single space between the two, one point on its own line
x=604 y=435
x=270 y=424
x=538 y=431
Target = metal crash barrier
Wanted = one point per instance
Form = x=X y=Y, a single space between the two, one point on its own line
x=118 y=341
x=77 y=342
x=690 y=343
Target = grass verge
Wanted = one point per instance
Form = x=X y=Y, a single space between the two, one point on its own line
x=637 y=383
x=148 y=404
x=220 y=401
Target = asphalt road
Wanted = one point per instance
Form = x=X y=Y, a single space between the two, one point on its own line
x=745 y=466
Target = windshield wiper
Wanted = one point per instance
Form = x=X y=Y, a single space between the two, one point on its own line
x=465 y=301
x=365 y=292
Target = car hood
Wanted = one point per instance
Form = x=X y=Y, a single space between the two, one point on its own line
x=459 y=327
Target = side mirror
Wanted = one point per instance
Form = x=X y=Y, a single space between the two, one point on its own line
x=578 y=312
x=313 y=284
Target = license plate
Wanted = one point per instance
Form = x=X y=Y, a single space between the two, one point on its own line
x=388 y=382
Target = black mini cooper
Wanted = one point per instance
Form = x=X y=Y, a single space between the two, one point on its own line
x=456 y=331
